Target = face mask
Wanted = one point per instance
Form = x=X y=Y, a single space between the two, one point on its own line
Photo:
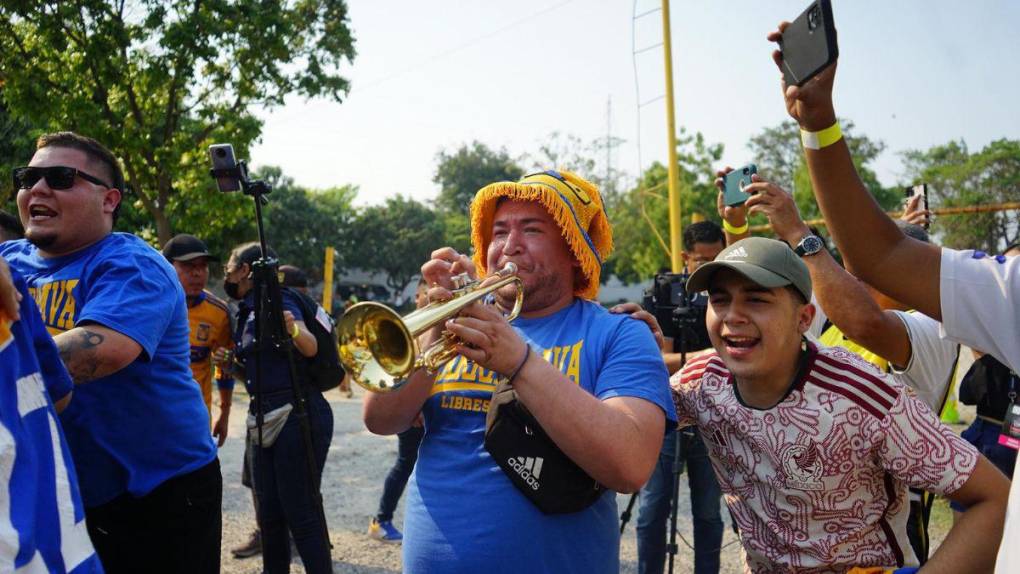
x=231 y=289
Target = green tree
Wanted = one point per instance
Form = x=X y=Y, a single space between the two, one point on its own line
x=641 y=218
x=777 y=153
x=16 y=148
x=957 y=177
x=568 y=151
x=302 y=223
x=158 y=81
x=460 y=174
x=395 y=238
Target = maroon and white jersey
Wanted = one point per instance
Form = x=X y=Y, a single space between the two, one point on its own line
x=818 y=483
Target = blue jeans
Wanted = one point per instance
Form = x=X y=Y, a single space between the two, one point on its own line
x=653 y=516
x=396 y=480
x=285 y=497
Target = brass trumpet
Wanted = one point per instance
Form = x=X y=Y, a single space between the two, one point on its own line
x=379 y=348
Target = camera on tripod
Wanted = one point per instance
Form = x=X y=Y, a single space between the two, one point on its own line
x=681 y=316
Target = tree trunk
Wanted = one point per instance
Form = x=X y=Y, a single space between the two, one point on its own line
x=163 y=229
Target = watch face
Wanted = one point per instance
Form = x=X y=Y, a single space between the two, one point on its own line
x=811 y=244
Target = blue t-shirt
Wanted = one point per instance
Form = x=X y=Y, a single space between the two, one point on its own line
x=276 y=377
x=135 y=429
x=42 y=520
x=463 y=513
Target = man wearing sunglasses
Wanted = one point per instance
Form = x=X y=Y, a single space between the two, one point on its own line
x=137 y=428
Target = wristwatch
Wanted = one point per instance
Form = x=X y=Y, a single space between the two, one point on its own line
x=810 y=245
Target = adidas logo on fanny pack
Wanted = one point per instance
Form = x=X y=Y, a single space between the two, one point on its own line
x=528 y=468
x=738 y=253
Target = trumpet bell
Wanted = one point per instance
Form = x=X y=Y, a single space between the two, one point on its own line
x=376 y=347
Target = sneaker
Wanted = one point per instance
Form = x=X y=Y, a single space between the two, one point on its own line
x=250 y=548
x=384 y=531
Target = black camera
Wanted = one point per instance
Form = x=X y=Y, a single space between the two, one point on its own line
x=681 y=316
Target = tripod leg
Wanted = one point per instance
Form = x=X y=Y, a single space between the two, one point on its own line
x=671 y=547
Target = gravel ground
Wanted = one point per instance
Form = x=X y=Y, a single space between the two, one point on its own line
x=352 y=483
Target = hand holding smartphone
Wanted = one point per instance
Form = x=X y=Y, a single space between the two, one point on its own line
x=915 y=191
x=808 y=44
x=734 y=183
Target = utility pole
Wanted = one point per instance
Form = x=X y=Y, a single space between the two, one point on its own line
x=674 y=169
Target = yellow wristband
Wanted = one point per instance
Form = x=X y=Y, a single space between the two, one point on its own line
x=822 y=139
x=735 y=230
x=294 y=333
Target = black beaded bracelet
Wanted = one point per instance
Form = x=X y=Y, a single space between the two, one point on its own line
x=527 y=355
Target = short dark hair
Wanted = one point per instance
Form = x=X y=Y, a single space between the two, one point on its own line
x=10 y=227
x=95 y=151
x=703 y=232
x=249 y=253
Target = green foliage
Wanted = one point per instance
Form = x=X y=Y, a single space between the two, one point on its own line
x=302 y=223
x=158 y=81
x=396 y=238
x=471 y=167
x=16 y=148
x=460 y=175
x=957 y=177
x=641 y=217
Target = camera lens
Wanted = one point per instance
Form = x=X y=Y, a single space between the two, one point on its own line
x=221 y=152
x=746 y=170
x=813 y=17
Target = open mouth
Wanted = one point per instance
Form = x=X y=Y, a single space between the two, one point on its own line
x=740 y=345
x=41 y=213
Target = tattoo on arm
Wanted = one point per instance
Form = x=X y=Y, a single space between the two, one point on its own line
x=80 y=353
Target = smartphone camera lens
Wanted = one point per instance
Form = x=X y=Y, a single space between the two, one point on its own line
x=814 y=17
x=746 y=171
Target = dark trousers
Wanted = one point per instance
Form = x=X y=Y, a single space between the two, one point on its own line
x=653 y=516
x=396 y=480
x=283 y=485
x=176 y=528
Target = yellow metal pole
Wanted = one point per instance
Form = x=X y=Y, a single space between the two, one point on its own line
x=674 y=169
x=327 y=281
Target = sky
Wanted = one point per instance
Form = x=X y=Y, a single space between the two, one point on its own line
x=433 y=75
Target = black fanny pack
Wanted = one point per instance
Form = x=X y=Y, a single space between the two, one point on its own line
x=532 y=461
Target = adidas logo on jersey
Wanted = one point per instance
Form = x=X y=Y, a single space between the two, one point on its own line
x=738 y=253
x=529 y=468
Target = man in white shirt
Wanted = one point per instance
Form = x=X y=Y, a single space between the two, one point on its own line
x=976 y=297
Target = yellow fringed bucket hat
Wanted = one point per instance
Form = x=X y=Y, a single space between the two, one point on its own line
x=574 y=203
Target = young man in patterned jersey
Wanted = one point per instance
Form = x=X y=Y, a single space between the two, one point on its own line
x=814 y=447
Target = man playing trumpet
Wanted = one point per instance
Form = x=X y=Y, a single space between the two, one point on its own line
x=594 y=382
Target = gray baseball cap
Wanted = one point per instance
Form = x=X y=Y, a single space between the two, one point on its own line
x=767 y=262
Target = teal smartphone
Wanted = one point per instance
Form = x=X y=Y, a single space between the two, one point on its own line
x=735 y=182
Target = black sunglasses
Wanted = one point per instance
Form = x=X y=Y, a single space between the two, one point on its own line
x=57 y=177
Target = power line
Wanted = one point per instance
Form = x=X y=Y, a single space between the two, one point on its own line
x=459 y=48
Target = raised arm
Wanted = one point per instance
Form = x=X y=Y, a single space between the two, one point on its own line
x=845 y=301
x=878 y=252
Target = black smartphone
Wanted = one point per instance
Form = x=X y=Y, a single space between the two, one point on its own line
x=734 y=183
x=915 y=190
x=809 y=44
x=223 y=161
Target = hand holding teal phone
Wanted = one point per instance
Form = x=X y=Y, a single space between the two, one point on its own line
x=735 y=182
